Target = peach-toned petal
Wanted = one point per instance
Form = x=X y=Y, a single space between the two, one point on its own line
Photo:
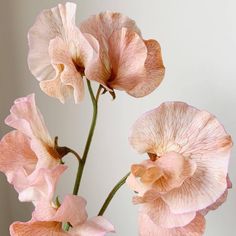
x=102 y=26
x=124 y=46
x=97 y=226
x=72 y=210
x=206 y=185
x=176 y=169
x=37 y=229
x=17 y=160
x=65 y=68
x=161 y=215
x=148 y=228
x=154 y=71
x=50 y=23
x=26 y=118
x=42 y=184
x=219 y=201
x=196 y=135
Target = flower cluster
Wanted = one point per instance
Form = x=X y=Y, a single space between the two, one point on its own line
x=32 y=165
x=185 y=174
x=102 y=49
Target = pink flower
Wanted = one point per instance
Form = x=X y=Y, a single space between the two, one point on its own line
x=186 y=175
x=47 y=220
x=130 y=63
x=28 y=157
x=59 y=52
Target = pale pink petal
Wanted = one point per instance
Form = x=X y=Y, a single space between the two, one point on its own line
x=154 y=70
x=26 y=118
x=70 y=77
x=97 y=226
x=37 y=229
x=102 y=26
x=124 y=46
x=206 y=185
x=198 y=136
x=148 y=228
x=219 y=201
x=42 y=184
x=17 y=160
x=176 y=169
x=72 y=210
x=120 y=41
x=161 y=215
x=50 y=23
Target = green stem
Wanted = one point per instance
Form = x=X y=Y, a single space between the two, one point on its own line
x=89 y=139
x=112 y=194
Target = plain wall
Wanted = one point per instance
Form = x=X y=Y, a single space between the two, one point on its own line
x=198 y=40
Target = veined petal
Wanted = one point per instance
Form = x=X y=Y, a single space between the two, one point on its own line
x=124 y=46
x=37 y=229
x=148 y=228
x=51 y=23
x=154 y=70
x=17 y=160
x=160 y=214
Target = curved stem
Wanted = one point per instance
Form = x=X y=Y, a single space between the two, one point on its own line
x=90 y=136
x=63 y=151
x=112 y=194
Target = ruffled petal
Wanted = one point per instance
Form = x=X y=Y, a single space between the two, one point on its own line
x=97 y=226
x=148 y=228
x=17 y=160
x=66 y=69
x=154 y=71
x=72 y=210
x=58 y=21
x=102 y=26
x=196 y=135
x=176 y=169
x=124 y=46
x=26 y=118
x=37 y=229
x=160 y=214
x=42 y=184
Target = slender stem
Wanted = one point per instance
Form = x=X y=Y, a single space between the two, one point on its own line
x=112 y=194
x=89 y=139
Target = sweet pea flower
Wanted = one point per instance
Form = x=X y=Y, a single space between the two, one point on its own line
x=27 y=155
x=47 y=220
x=130 y=63
x=59 y=53
x=186 y=174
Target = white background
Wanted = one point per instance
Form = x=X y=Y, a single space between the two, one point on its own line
x=198 y=40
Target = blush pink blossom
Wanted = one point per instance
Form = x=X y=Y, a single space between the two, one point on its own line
x=129 y=62
x=186 y=174
x=59 y=54
x=28 y=157
x=47 y=220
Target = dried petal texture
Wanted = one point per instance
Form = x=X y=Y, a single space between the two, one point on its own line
x=148 y=228
x=199 y=138
x=120 y=42
x=37 y=229
x=160 y=214
x=59 y=52
x=47 y=220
